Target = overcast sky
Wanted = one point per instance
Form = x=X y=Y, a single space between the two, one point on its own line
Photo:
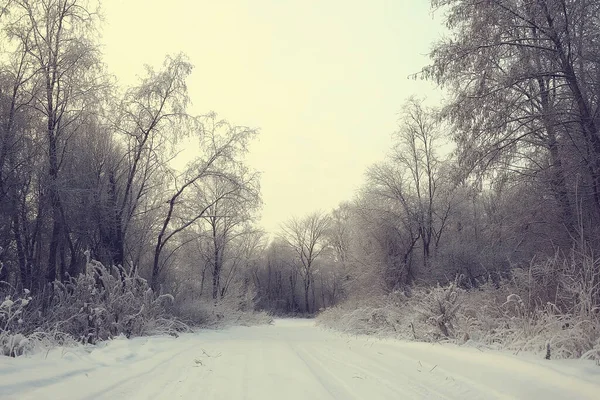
x=324 y=80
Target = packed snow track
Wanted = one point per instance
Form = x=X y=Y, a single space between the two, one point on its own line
x=291 y=359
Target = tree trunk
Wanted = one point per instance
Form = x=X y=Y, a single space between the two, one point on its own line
x=294 y=306
x=314 y=298
x=116 y=243
x=323 y=291
x=559 y=187
x=216 y=282
x=306 y=294
x=586 y=117
x=21 y=255
x=202 y=280
x=54 y=240
x=558 y=182
x=156 y=264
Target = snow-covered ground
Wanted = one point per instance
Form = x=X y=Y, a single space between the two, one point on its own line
x=291 y=359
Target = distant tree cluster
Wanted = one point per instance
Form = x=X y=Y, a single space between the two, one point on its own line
x=300 y=271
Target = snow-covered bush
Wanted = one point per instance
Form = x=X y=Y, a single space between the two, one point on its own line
x=13 y=343
x=382 y=319
x=419 y=314
x=552 y=304
x=107 y=302
x=236 y=307
x=440 y=307
x=12 y=313
x=99 y=304
x=219 y=314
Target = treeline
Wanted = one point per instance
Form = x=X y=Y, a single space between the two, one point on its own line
x=87 y=166
x=495 y=195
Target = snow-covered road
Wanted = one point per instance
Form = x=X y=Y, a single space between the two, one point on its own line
x=291 y=359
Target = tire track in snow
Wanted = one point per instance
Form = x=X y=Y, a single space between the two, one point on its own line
x=290 y=360
x=424 y=377
x=102 y=394
x=402 y=383
x=338 y=389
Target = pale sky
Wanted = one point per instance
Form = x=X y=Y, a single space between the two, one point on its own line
x=322 y=80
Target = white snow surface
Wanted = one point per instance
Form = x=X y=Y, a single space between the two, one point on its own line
x=291 y=359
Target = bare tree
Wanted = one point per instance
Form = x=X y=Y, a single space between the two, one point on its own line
x=524 y=77
x=340 y=234
x=221 y=146
x=412 y=186
x=245 y=246
x=17 y=152
x=308 y=238
x=276 y=279
x=150 y=119
x=231 y=209
x=58 y=37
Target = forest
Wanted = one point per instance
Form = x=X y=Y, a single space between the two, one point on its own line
x=481 y=223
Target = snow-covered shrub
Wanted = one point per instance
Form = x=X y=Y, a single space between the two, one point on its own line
x=440 y=307
x=399 y=314
x=12 y=310
x=365 y=320
x=538 y=283
x=207 y=313
x=580 y=284
x=380 y=318
x=236 y=307
x=481 y=313
x=106 y=302
x=552 y=304
x=12 y=313
x=13 y=345
x=99 y=304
